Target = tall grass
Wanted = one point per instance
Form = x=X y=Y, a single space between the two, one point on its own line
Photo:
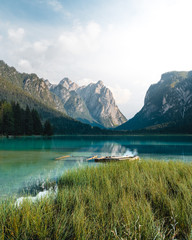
x=124 y=200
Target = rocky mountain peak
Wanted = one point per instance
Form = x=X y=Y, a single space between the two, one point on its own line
x=68 y=84
x=49 y=85
x=101 y=104
x=93 y=102
x=166 y=102
x=99 y=83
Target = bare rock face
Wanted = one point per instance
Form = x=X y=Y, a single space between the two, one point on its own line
x=38 y=88
x=68 y=84
x=167 y=102
x=101 y=104
x=93 y=103
x=73 y=104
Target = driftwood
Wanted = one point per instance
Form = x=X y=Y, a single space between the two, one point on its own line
x=116 y=158
x=60 y=158
x=91 y=158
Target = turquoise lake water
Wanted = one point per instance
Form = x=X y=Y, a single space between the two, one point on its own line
x=25 y=161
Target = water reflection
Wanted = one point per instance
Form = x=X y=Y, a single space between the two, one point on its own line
x=23 y=161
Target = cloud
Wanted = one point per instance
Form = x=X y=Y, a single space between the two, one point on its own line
x=16 y=35
x=57 y=6
x=121 y=95
x=85 y=81
x=93 y=29
x=41 y=46
x=25 y=65
x=81 y=39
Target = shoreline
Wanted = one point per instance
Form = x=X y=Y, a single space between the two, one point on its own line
x=99 y=135
x=115 y=200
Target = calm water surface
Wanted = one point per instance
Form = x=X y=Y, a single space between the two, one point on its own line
x=28 y=160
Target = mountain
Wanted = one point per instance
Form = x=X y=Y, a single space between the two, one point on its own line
x=12 y=93
x=167 y=105
x=101 y=104
x=73 y=104
x=32 y=85
x=29 y=90
x=92 y=104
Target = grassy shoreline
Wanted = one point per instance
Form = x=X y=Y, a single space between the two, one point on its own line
x=126 y=200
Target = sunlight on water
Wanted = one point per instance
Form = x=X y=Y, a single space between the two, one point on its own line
x=31 y=160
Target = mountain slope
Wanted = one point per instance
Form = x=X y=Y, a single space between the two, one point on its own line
x=101 y=104
x=168 y=104
x=62 y=124
x=32 y=84
x=12 y=93
x=13 y=87
x=72 y=103
x=93 y=104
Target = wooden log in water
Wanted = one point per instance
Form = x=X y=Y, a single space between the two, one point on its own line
x=123 y=158
x=91 y=158
x=60 y=158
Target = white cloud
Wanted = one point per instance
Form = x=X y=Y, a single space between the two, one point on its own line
x=69 y=42
x=41 y=46
x=25 y=65
x=1 y=37
x=80 y=40
x=57 y=6
x=121 y=95
x=85 y=81
x=16 y=35
x=93 y=29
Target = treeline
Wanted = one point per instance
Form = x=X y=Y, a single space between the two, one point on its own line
x=17 y=121
x=68 y=126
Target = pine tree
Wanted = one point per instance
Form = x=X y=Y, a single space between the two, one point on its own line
x=1 y=118
x=37 y=126
x=7 y=119
x=28 y=122
x=17 y=114
x=48 y=130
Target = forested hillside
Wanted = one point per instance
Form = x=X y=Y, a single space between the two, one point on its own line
x=16 y=121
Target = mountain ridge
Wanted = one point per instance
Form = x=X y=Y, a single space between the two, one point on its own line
x=29 y=89
x=168 y=103
x=93 y=103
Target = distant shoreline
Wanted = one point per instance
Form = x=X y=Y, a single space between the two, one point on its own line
x=93 y=135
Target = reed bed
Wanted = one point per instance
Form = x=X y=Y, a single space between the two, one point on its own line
x=123 y=200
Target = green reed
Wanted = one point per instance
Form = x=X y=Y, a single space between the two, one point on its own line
x=121 y=200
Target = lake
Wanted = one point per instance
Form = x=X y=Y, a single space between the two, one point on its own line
x=26 y=161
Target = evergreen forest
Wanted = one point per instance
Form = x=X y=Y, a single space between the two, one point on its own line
x=17 y=121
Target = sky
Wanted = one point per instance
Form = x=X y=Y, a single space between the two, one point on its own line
x=127 y=44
